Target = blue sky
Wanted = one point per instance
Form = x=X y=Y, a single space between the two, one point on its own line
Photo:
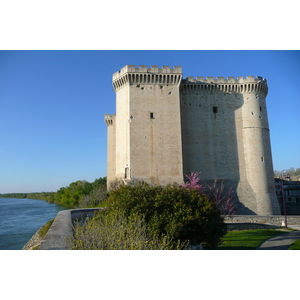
x=52 y=106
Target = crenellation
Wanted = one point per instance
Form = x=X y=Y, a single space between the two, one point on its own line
x=109 y=119
x=166 y=69
x=143 y=75
x=145 y=69
x=250 y=84
x=231 y=80
x=238 y=80
x=154 y=69
x=190 y=79
x=210 y=79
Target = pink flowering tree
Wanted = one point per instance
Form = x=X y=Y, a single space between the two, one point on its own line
x=222 y=197
x=193 y=182
x=216 y=192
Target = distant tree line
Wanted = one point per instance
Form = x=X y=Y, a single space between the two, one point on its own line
x=78 y=194
x=40 y=196
x=290 y=172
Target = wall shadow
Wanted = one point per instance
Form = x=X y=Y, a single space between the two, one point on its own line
x=211 y=135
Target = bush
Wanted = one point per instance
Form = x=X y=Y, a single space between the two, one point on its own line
x=94 y=198
x=115 y=231
x=181 y=214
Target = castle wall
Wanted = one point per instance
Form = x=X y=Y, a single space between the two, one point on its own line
x=122 y=132
x=155 y=135
x=225 y=135
x=209 y=131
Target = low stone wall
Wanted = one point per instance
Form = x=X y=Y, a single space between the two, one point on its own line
x=60 y=232
x=277 y=220
x=249 y=226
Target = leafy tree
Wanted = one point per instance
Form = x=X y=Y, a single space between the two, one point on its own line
x=291 y=172
x=71 y=195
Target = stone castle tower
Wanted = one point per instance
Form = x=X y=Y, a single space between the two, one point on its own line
x=166 y=127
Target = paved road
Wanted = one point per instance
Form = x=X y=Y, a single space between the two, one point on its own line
x=281 y=242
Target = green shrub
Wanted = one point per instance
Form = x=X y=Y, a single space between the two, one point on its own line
x=115 y=231
x=181 y=214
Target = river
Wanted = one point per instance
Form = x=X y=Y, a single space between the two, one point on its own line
x=20 y=219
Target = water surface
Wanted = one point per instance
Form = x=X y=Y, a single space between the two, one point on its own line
x=21 y=218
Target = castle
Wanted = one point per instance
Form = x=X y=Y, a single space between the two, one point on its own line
x=166 y=126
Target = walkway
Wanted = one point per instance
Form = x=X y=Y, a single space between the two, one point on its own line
x=282 y=241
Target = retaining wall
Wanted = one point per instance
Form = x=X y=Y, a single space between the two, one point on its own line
x=248 y=222
x=277 y=220
x=60 y=232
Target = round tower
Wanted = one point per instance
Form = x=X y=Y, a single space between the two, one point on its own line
x=257 y=184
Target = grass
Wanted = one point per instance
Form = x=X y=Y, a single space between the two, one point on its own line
x=295 y=245
x=246 y=239
x=43 y=231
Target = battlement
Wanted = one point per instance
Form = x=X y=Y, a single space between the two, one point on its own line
x=145 y=69
x=132 y=75
x=144 y=75
x=248 y=84
x=223 y=80
x=109 y=119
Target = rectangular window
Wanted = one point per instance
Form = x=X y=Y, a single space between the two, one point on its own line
x=215 y=109
x=151 y=115
x=126 y=173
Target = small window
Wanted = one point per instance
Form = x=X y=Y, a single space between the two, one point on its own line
x=262 y=159
x=151 y=115
x=215 y=109
x=126 y=173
